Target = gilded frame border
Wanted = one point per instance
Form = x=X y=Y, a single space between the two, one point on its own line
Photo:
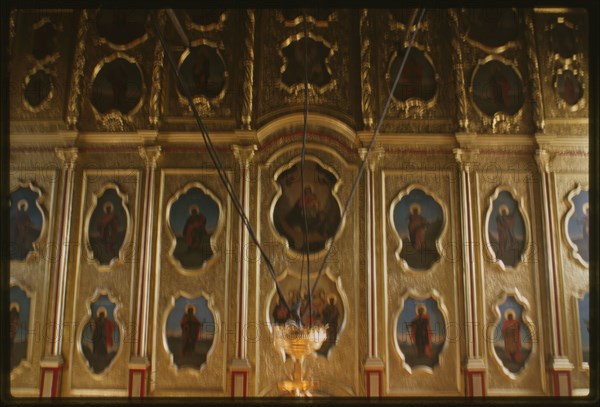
x=207 y=264
x=565 y=223
x=401 y=195
x=335 y=279
x=418 y=295
x=279 y=193
x=87 y=318
x=526 y=224
x=295 y=89
x=500 y=122
x=171 y=304
x=26 y=363
x=127 y=241
x=35 y=253
x=514 y=292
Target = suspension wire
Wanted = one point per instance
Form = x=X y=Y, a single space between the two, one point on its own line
x=372 y=142
x=302 y=162
x=211 y=150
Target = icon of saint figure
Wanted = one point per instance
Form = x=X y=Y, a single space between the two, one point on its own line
x=194 y=230
x=102 y=333
x=190 y=330
x=505 y=223
x=420 y=332
x=15 y=321
x=498 y=88
x=331 y=314
x=21 y=226
x=585 y=222
x=280 y=313
x=108 y=226
x=417 y=227
x=511 y=332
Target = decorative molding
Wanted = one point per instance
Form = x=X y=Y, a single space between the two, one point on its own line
x=534 y=74
x=248 y=62
x=365 y=67
x=74 y=104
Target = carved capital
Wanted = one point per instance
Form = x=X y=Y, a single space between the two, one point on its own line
x=68 y=156
x=244 y=154
x=466 y=159
x=150 y=155
x=543 y=159
x=374 y=156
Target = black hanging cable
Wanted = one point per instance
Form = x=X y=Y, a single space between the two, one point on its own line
x=302 y=166
x=372 y=142
x=210 y=148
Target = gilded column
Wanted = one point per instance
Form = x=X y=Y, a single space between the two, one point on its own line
x=248 y=59
x=365 y=71
x=560 y=367
x=534 y=73
x=157 y=75
x=459 y=77
x=139 y=363
x=373 y=366
x=240 y=367
x=474 y=367
x=52 y=362
x=74 y=102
